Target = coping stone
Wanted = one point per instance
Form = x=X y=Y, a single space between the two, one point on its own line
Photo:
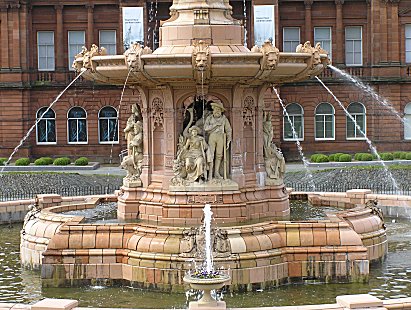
x=359 y=301
x=56 y=304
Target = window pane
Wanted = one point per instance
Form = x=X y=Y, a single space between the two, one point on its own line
x=51 y=131
x=408 y=31
x=324 y=108
x=321 y=34
x=82 y=130
x=407 y=126
x=294 y=109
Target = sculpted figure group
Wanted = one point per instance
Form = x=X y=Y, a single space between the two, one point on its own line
x=199 y=158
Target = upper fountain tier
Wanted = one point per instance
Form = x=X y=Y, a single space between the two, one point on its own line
x=202 y=44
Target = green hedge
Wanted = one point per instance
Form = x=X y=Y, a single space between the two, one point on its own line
x=22 y=162
x=408 y=156
x=335 y=157
x=62 y=161
x=399 y=155
x=344 y=158
x=81 y=161
x=319 y=158
x=366 y=157
x=2 y=161
x=43 y=161
x=387 y=156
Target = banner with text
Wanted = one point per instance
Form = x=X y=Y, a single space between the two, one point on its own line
x=264 y=24
x=133 y=26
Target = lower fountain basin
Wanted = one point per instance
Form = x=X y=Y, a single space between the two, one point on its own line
x=207 y=283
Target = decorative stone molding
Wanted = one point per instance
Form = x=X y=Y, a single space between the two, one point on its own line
x=157 y=112
x=307 y=48
x=308 y=3
x=339 y=2
x=201 y=61
x=248 y=111
x=270 y=57
x=193 y=243
x=133 y=56
x=87 y=56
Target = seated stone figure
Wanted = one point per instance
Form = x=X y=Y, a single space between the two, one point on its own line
x=194 y=156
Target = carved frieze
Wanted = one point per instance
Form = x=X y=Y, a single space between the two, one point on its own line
x=248 y=111
x=157 y=112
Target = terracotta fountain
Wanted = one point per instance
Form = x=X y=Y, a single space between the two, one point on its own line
x=201 y=134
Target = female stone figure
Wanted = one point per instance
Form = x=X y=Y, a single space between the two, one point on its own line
x=194 y=153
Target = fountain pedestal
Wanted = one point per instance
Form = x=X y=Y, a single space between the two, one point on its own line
x=207 y=285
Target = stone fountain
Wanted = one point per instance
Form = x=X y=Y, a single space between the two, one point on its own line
x=202 y=133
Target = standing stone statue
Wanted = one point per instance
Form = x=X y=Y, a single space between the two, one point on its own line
x=219 y=138
x=134 y=136
x=273 y=158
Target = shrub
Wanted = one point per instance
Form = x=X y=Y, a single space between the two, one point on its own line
x=62 y=161
x=81 y=161
x=319 y=158
x=22 y=162
x=313 y=158
x=408 y=156
x=43 y=161
x=2 y=161
x=397 y=155
x=344 y=158
x=404 y=155
x=366 y=157
x=335 y=157
x=387 y=156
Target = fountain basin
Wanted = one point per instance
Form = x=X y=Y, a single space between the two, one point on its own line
x=71 y=252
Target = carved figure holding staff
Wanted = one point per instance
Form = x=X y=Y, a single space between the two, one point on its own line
x=219 y=133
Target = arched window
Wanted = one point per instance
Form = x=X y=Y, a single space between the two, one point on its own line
x=296 y=114
x=77 y=125
x=107 y=125
x=407 y=122
x=324 y=122
x=357 y=111
x=46 y=126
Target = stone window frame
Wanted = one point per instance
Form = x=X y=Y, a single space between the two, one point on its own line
x=407 y=36
x=327 y=47
x=407 y=119
x=47 y=120
x=107 y=119
x=323 y=116
x=292 y=42
x=355 y=115
x=77 y=46
x=354 y=51
x=110 y=47
x=47 y=45
x=293 y=116
x=77 y=125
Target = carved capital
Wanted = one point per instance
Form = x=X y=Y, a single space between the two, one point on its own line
x=395 y=2
x=308 y=3
x=339 y=2
x=58 y=8
x=89 y=6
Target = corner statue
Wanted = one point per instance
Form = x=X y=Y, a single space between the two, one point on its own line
x=219 y=133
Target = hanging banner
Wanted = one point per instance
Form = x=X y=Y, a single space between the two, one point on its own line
x=263 y=24
x=133 y=26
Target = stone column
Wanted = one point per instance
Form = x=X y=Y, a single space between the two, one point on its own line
x=16 y=42
x=395 y=36
x=90 y=25
x=384 y=31
x=340 y=51
x=278 y=37
x=375 y=32
x=5 y=64
x=58 y=39
x=308 y=22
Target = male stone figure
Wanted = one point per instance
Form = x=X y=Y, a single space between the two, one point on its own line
x=219 y=132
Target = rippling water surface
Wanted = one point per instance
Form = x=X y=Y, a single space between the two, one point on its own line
x=390 y=279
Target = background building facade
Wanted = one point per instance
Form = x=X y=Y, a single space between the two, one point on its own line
x=369 y=39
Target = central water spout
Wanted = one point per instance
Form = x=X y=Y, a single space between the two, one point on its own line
x=207 y=231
